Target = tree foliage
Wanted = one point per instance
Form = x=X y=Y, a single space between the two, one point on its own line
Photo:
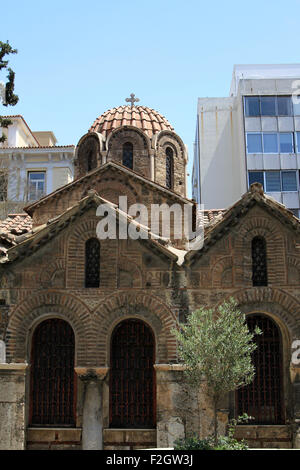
x=7 y=95
x=216 y=347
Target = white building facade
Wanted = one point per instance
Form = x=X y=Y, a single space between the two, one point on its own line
x=31 y=165
x=251 y=136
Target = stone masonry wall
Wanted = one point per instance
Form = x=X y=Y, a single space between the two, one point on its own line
x=138 y=281
x=12 y=406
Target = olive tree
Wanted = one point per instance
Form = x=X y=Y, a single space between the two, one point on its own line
x=216 y=346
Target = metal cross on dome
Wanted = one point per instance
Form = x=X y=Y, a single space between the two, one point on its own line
x=132 y=99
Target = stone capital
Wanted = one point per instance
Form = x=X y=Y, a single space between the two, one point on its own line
x=169 y=367
x=14 y=366
x=90 y=374
x=10 y=369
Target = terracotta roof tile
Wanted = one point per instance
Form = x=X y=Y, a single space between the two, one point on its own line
x=149 y=120
x=16 y=224
x=210 y=216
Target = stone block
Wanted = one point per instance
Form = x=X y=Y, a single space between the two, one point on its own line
x=245 y=432
x=113 y=435
x=170 y=430
x=276 y=445
x=11 y=388
x=130 y=437
x=12 y=407
x=40 y=435
x=265 y=436
x=140 y=436
x=109 y=447
x=274 y=432
x=2 y=352
x=12 y=436
x=51 y=435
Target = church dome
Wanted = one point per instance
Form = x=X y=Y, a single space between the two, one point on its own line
x=146 y=119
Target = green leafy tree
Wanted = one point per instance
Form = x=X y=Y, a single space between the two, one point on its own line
x=216 y=347
x=7 y=96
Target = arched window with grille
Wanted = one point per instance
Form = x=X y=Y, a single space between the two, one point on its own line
x=52 y=381
x=263 y=398
x=132 y=379
x=127 y=158
x=92 y=263
x=169 y=168
x=259 y=262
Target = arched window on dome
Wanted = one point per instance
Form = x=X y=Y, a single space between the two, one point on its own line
x=169 y=168
x=92 y=263
x=91 y=162
x=259 y=262
x=127 y=158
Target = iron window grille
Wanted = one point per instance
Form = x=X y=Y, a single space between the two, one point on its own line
x=263 y=398
x=259 y=262
x=169 y=168
x=92 y=263
x=52 y=384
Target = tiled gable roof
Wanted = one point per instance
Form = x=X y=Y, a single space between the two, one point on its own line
x=11 y=228
x=109 y=165
x=221 y=224
x=18 y=224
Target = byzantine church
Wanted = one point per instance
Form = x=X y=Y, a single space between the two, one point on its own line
x=87 y=355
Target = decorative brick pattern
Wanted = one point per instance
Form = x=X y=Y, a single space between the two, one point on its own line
x=222 y=272
x=126 y=265
x=34 y=309
x=261 y=225
x=141 y=149
x=286 y=307
x=167 y=139
x=144 y=306
x=88 y=155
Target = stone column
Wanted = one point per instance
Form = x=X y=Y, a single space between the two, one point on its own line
x=296 y=386
x=12 y=406
x=152 y=176
x=295 y=379
x=170 y=404
x=297 y=435
x=104 y=157
x=2 y=352
x=92 y=427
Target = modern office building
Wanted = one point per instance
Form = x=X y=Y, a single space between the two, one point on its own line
x=253 y=135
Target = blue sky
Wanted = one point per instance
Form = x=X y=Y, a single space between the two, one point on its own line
x=77 y=59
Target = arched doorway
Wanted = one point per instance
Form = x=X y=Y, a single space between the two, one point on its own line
x=132 y=380
x=263 y=398
x=52 y=385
